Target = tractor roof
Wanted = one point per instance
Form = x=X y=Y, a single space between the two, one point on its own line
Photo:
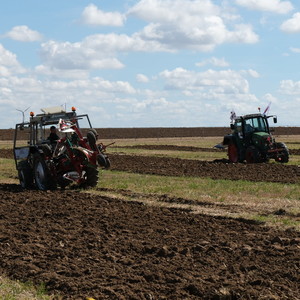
x=52 y=118
x=249 y=116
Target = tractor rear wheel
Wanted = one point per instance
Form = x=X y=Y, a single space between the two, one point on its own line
x=43 y=179
x=284 y=154
x=233 y=154
x=252 y=155
x=25 y=175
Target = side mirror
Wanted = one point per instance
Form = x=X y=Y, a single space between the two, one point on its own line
x=275 y=120
x=232 y=126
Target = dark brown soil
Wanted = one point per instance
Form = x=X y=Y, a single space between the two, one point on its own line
x=187 y=148
x=294 y=151
x=171 y=148
x=83 y=245
x=6 y=153
x=161 y=132
x=215 y=170
x=220 y=169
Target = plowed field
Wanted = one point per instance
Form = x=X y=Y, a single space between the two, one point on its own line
x=221 y=169
x=85 y=245
x=82 y=245
x=215 y=170
x=188 y=148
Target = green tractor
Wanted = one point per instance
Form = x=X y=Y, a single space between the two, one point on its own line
x=251 y=141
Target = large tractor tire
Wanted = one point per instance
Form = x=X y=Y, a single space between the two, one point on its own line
x=42 y=176
x=252 y=155
x=91 y=177
x=284 y=154
x=233 y=154
x=92 y=138
x=108 y=164
x=25 y=175
x=103 y=161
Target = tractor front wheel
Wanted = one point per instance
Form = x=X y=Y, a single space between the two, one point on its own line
x=233 y=154
x=43 y=179
x=252 y=155
x=25 y=175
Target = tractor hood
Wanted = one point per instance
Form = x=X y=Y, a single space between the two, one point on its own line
x=260 y=139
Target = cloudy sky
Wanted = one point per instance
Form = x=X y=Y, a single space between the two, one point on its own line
x=151 y=63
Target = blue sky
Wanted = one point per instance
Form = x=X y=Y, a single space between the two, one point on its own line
x=151 y=63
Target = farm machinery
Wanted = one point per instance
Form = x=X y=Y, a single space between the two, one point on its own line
x=252 y=141
x=45 y=164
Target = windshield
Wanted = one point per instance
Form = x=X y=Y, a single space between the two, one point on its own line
x=256 y=124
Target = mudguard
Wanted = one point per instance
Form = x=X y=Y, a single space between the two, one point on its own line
x=228 y=139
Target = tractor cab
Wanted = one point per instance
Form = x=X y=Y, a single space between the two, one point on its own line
x=251 y=128
x=255 y=124
x=248 y=124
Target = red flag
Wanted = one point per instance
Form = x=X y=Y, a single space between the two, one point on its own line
x=267 y=108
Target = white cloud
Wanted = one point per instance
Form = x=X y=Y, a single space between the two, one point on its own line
x=52 y=72
x=170 y=10
x=275 y=6
x=86 y=55
x=292 y=25
x=23 y=34
x=290 y=87
x=180 y=24
x=91 y=15
x=251 y=72
x=243 y=34
x=34 y=87
x=174 y=25
x=85 y=94
x=270 y=99
x=210 y=81
x=295 y=50
x=4 y=71
x=97 y=51
x=8 y=63
x=7 y=58
x=218 y=62
x=113 y=43
x=211 y=90
x=142 y=78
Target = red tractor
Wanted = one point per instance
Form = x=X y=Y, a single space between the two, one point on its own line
x=44 y=163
